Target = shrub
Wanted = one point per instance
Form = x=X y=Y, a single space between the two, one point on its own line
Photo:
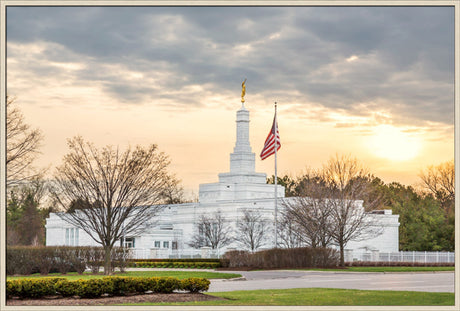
x=26 y=260
x=195 y=285
x=152 y=284
x=18 y=260
x=237 y=259
x=66 y=288
x=93 y=288
x=45 y=260
x=122 y=285
x=167 y=285
x=31 y=288
x=142 y=285
x=12 y=289
x=77 y=259
x=160 y=264
x=305 y=257
x=63 y=258
x=224 y=262
x=94 y=257
x=120 y=258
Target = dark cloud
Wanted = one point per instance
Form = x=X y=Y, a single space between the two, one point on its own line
x=404 y=55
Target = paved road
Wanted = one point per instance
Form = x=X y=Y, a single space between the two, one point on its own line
x=283 y=279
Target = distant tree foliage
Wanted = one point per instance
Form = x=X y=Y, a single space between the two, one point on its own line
x=109 y=193
x=25 y=216
x=424 y=226
x=427 y=219
x=22 y=146
x=287 y=182
x=439 y=181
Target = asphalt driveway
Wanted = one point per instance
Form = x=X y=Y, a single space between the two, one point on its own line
x=283 y=279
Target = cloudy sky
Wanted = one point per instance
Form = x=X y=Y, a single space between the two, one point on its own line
x=373 y=82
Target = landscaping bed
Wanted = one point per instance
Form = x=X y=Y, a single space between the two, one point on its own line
x=96 y=288
x=175 y=264
x=154 y=297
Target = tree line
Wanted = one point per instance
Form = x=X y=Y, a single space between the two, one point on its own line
x=426 y=213
x=108 y=193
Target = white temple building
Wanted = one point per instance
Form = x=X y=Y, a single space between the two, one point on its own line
x=237 y=190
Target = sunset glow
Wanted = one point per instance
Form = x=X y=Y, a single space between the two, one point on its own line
x=393 y=144
x=376 y=83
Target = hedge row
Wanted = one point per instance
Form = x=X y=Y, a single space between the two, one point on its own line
x=304 y=257
x=25 y=260
x=172 y=264
x=94 y=288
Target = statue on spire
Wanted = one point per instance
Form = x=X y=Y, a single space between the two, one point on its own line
x=243 y=91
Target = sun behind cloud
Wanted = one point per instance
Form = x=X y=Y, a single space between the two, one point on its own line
x=394 y=144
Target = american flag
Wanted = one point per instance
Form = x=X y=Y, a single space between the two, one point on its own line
x=269 y=146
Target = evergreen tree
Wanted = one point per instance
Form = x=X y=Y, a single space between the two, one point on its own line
x=423 y=225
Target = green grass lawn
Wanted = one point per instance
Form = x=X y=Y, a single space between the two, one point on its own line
x=388 y=269
x=176 y=274
x=324 y=297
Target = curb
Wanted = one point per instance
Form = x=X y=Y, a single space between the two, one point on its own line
x=235 y=279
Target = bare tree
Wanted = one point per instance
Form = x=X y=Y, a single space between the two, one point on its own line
x=36 y=188
x=108 y=193
x=22 y=146
x=440 y=182
x=348 y=182
x=310 y=212
x=251 y=230
x=213 y=231
x=312 y=218
x=173 y=192
x=288 y=233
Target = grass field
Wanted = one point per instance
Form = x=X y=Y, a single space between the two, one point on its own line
x=301 y=296
x=388 y=269
x=177 y=274
x=324 y=297
x=217 y=275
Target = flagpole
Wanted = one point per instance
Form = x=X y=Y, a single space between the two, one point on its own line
x=276 y=182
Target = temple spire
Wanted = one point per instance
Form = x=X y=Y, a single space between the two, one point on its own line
x=242 y=160
x=243 y=92
x=242 y=182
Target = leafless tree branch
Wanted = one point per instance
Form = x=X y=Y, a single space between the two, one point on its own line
x=440 y=182
x=108 y=193
x=329 y=208
x=213 y=231
x=252 y=229
x=22 y=146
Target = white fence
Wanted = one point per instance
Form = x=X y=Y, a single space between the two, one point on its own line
x=350 y=255
x=158 y=253
x=407 y=256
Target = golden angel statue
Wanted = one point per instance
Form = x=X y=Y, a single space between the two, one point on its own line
x=243 y=91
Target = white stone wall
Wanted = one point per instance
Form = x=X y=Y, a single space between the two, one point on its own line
x=241 y=188
x=56 y=233
x=182 y=218
x=388 y=241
